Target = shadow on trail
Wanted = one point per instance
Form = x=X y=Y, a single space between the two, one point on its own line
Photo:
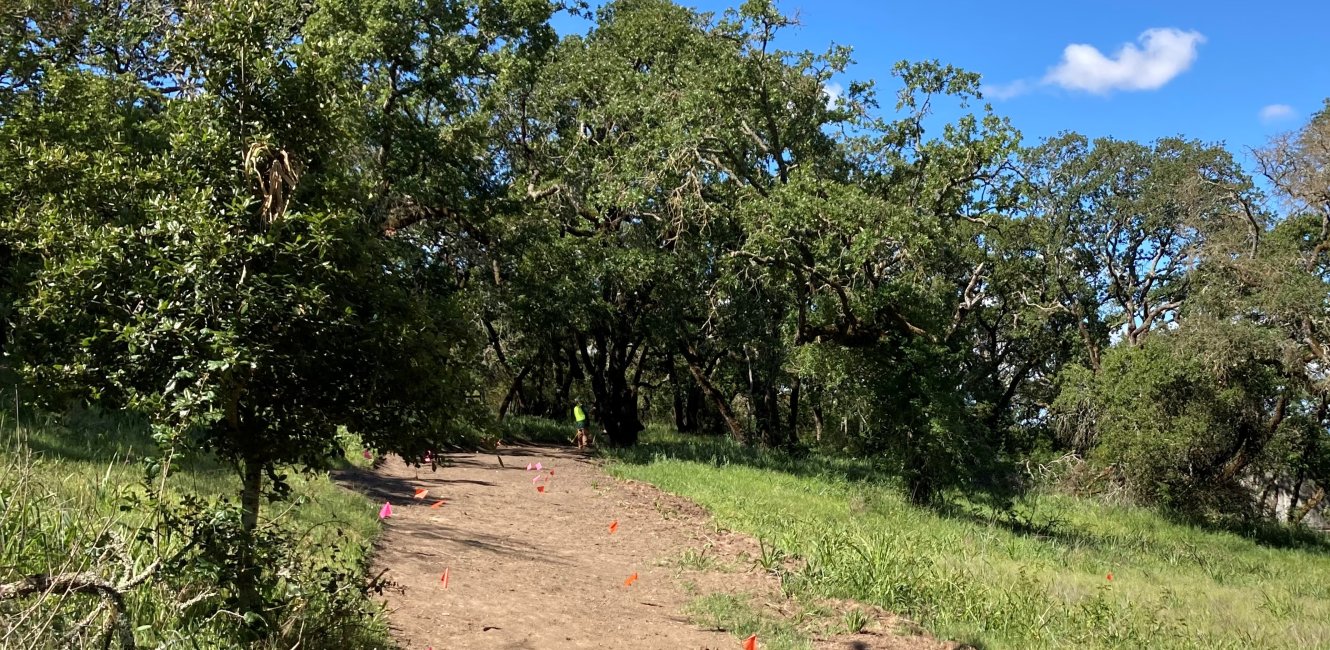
x=396 y=490
x=416 y=522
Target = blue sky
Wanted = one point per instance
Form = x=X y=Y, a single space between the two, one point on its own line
x=1220 y=71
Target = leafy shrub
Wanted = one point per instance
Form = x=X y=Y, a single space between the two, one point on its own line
x=71 y=504
x=1175 y=421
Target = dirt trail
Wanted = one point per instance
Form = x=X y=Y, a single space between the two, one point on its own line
x=537 y=571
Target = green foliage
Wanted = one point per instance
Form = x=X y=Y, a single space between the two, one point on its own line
x=268 y=227
x=1169 y=415
x=209 y=219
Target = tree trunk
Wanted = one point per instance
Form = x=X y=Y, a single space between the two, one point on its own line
x=677 y=392
x=693 y=407
x=1252 y=443
x=513 y=391
x=1301 y=513
x=920 y=486
x=767 y=412
x=1091 y=347
x=616 y=400
x=796 y=388
x=817 y=421
x=495 y=342
x=624 y=422
x=722 y=406
x=617 y=407
x=766 y=402
x=793 y=427
x=251 y=491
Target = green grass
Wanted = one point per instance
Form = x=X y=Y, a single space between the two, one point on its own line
x=742 y=616
x=518 y=429
x=1035 y=579
x=697 y=559
x=63 y=483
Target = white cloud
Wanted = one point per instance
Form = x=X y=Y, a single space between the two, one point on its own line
x=1276 y=112
x=833 y=92
x=1005 y=91
x=1165 y=54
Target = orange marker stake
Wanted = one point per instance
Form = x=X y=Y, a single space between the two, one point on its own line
x=614 y=525
x=750 y=643
x=437 y=503
x=444 y=579
x=420 y=494
x=631 y=579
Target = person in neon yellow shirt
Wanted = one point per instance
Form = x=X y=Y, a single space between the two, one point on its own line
x=579 y=416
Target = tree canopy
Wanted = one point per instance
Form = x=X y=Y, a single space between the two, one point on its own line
x=259 y=222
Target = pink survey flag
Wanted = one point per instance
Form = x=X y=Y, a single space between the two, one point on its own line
x=386 y=511
x=368 y=456
x=538 y=467
x=530 y=467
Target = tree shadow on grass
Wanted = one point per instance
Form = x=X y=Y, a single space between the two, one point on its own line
x=81 y=435
x=88 y=434
x=720 y=451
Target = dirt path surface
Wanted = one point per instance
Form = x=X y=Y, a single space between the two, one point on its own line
x=540 y=570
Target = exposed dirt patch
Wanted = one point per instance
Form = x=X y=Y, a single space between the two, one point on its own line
x=533 y=570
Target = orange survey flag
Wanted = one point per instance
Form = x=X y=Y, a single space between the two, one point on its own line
x=540 y=489
x=631 y=579
x=614 y=525
x=420 y=494
x=750 y=643
x=437 y=503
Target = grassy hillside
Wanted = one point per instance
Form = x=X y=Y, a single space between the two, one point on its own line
x=1037 y=579
x=65 y=485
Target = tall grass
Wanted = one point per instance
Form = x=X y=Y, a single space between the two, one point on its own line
x=68 y=489
x=1034 y=578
